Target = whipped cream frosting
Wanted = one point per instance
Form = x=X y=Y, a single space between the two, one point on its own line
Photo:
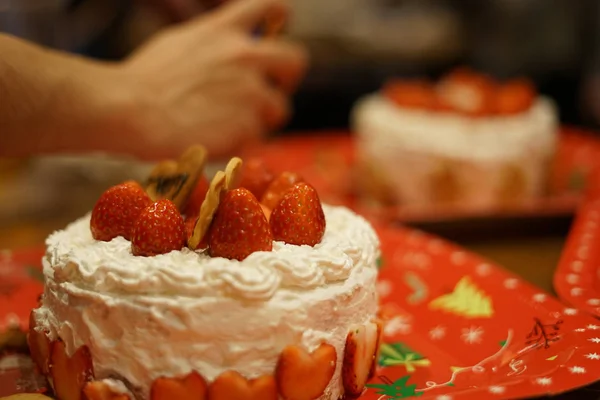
x=375 y=118
x=75 y=258
x=145 y=317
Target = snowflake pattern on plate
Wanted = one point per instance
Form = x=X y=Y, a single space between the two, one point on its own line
x=483 y=269
x=12 y=320
x=592 y=356
x=539 y=297
x=544 y=381
x=577 y=369
x=437 y=332
x=458 y=258
x=572 y=279
x=511 y=283
x=577 y=266
x=384 y=288
x=576 y=291
x=497 y=389
x=472 y=335
x=397 y=325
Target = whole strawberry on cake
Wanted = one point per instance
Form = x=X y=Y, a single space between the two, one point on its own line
x=243 y=286
x=466 y=140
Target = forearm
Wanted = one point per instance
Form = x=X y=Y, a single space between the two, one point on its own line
x=52 y=102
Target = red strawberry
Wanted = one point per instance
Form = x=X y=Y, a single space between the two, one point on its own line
x=158 y=230
x=239 y=227
x=411 y=94
x=39 y=345
x=267 y=211
x=117 y=210
x=299 y=217
x=189 y=387
x=196 y=199
x=514 y=97
x=256 y=177
x=278 y=187
x=467 y=92
x=301 y=375
x=69 y=374
x=360 y=358
x=231 y=385
x=190 y=224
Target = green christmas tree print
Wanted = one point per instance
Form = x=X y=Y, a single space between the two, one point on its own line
x=395 y=390
x=399 y=354
x=466 y=300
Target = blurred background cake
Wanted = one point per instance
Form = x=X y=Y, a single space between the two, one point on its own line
x=467 y=140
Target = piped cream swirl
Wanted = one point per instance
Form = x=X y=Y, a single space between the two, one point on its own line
x=109 y=267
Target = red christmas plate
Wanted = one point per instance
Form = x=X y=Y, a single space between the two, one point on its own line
x=456 y=327
x=459 y=327
x=577 y=278
x=326 y=161
x=21 y=282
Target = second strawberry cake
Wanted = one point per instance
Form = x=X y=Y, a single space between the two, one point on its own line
x=178 y=290
x=466 y=140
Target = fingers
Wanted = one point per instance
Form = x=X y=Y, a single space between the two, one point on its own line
x=248 y=14
x=261 y=98
x=275 y=108
x=281 y=62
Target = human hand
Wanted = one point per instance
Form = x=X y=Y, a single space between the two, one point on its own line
x=210 y=81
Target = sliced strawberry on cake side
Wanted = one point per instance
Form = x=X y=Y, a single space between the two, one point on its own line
x=231 y=385
x=69 y=374
x=190 y=387
x=159 y=229
x=239 y=227
x=116 y=211
x=301 y=375
x=360 y=355
x=299 y=218
x=39 y=345
x=99 y=390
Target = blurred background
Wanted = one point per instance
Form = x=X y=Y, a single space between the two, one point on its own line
x=355 y=46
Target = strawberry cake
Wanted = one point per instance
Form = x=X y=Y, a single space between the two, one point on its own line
x=467 y=140
x=244 y=287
